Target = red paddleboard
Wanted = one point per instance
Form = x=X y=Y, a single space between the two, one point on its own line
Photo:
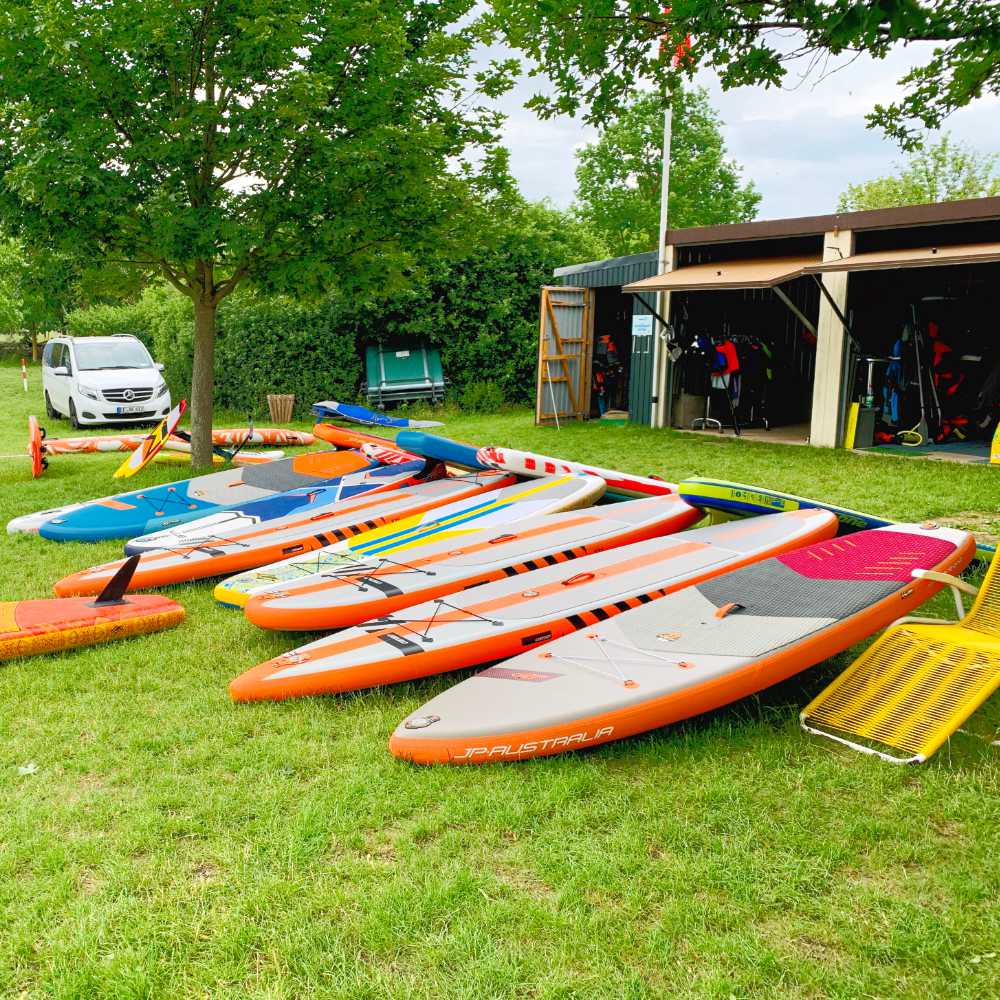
x=48 y=626
x=526 y=463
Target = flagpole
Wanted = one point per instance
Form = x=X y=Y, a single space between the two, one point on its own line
x=660 y=406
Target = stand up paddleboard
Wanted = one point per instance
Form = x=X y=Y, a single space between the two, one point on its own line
x=330 y=408
x=48 y=626
x=400 y=543
x=278 y=510
x=501 y=619
x=358 y=588
x=230 y=551
x=748 y=501
x=129 y=442
x=688 y=653
x=342 y=437
x=155 y=507
x=440 y=449
x=526 y=463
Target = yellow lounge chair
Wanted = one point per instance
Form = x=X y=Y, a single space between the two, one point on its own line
x=914 y=687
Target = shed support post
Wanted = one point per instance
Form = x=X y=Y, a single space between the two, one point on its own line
x=832 y=348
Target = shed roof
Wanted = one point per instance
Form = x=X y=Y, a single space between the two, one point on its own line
x=759 y=272
x=963 y=253
x=968 y=210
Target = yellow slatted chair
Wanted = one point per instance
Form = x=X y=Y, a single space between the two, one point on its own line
x=916 y=685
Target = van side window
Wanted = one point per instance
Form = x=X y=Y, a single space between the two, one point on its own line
x=67 y=358
x=55 y=358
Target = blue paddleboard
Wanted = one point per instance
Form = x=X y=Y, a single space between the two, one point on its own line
x=330 y=408
x=157 y=507
x=439 y=448
x=309 y=501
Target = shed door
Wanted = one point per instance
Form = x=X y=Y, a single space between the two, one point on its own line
x=565 y=347
x=640 y=384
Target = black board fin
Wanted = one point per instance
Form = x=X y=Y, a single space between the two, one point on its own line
x=115 y=588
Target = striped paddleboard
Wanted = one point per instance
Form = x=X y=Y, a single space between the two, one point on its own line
x=504 y=618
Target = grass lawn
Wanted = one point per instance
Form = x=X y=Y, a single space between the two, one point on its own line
x=167 y=843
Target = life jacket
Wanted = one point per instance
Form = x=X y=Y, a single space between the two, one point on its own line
x=732 y=359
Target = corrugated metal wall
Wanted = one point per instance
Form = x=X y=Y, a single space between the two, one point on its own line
x=615 y=273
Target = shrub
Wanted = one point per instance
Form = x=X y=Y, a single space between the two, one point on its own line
x=481 y=311
x=481 y=397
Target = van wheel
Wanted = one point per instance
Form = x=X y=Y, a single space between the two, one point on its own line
x=50 y=410
x=72 y=415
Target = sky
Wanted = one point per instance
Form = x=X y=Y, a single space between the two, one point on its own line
x=801 y=145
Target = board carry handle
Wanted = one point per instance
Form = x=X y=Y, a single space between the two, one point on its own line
x=958 y=586
x=578 y=578
x=727 y=609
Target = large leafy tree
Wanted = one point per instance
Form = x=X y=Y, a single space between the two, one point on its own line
x=596 y=50
x=618 y=176
x=292 y=144
x=944 y=171
x=39 y=286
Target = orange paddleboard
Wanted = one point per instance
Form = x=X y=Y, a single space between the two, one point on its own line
x=687 y=653
x=522 y=612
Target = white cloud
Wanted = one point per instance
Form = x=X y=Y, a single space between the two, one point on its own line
x=801 y=145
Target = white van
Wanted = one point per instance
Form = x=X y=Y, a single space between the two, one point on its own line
x=102 y=380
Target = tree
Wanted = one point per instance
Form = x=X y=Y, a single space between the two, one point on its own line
x=946 y=171
x=39 y=286
x=618 y=177
x=596 y=51
x=290 y=144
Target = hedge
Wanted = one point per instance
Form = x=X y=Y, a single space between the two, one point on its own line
x=481 y=311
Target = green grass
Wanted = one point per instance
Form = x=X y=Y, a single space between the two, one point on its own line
x=171 y=844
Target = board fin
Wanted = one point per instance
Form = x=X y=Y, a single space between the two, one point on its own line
x=114 y=589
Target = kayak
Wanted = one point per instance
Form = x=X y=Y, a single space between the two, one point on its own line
x=526 y=463
x=231 y=548
x=452 y=525
x=500 y=619
x=744 y=500
x=359 y=586
x=143 y=511
x=688 y=653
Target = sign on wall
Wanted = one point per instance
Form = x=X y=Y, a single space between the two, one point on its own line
x=642 y=326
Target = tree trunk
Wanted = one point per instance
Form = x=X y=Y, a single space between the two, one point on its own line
x=203 y=382
x=35 y=353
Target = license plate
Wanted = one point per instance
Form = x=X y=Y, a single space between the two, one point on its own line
x=134 y=408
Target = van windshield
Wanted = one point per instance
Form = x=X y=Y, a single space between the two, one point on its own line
x=95 y=355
